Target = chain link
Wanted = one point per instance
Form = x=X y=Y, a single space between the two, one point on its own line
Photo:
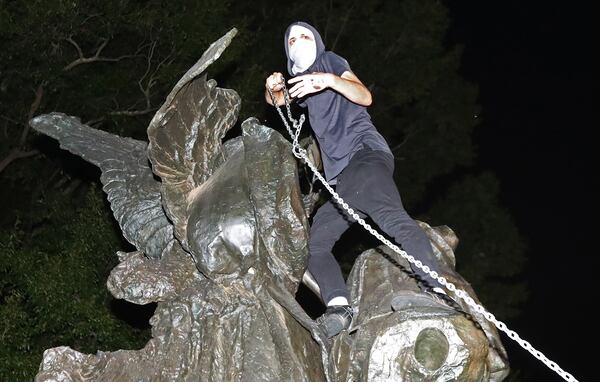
x=300 y=153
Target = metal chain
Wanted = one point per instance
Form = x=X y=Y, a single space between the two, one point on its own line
x=300 y=153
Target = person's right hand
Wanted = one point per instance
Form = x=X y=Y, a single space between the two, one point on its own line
x=275 y=82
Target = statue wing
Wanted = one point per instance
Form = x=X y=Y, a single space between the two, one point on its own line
x=185 y=148
x=133 y=192
x=186 y=135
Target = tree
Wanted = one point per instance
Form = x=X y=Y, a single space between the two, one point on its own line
x=112 y=64
x=490 y=252
x=52 y=285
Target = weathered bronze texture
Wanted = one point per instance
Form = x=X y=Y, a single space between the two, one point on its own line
x=221 y=232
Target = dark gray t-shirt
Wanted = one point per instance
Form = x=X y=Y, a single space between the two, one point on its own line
x=340 y=126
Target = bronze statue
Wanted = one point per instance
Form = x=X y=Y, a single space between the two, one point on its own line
x=221 y=232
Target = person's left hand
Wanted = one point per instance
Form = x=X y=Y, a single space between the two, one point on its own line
x=310 y=83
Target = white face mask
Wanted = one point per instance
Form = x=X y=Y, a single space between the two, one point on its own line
x=303 y=52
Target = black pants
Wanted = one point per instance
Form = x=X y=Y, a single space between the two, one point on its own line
x=367 y=185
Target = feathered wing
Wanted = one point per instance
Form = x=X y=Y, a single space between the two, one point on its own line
x=186 y=134
x=133 y=192
x=185 y=148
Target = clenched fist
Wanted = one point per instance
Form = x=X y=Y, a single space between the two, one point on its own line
x=275 y=82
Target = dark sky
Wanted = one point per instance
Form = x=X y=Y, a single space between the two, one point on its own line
x=532 y=62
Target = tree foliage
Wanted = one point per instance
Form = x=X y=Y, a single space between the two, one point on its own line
x=52 y=285
x=490 y=252
x=113 y=62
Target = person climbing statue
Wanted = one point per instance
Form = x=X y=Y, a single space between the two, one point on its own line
x=356 y=159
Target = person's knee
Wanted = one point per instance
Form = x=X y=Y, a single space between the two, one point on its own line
x=389 y=216
x=370 y=172
x=321 y=241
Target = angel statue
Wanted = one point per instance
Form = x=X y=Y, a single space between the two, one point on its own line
x=221 y=232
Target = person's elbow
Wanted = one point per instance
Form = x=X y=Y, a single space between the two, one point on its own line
x=367 y=98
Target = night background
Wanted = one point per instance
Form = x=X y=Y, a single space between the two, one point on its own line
x=488 y=107
x=533 y=64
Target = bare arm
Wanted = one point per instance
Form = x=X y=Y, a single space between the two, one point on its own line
x=352 y=88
